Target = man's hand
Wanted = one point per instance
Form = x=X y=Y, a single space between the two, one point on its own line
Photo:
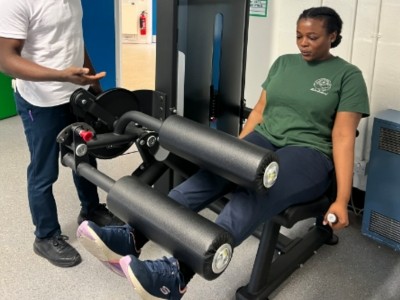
x=81 y=76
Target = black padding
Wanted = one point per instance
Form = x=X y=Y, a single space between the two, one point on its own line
x=182 y=232
x=237 y=160
x=296 y=213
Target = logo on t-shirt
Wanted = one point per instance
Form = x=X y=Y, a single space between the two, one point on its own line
x=322 y=86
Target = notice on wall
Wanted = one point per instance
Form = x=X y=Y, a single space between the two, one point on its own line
x=258 y=8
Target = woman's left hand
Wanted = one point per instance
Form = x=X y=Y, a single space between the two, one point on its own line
x=342 y=216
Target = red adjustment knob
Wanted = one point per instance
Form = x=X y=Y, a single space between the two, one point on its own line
x=86 y=135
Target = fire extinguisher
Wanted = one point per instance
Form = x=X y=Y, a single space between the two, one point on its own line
x=142 y=22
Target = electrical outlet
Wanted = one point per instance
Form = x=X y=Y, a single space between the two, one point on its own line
x=360 y=167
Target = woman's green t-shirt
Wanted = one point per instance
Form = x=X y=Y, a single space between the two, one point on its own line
x=304 y=97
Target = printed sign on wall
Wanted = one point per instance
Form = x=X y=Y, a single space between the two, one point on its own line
x=258 y=8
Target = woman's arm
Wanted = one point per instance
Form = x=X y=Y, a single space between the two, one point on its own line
x=256 y=115
x=343 y=139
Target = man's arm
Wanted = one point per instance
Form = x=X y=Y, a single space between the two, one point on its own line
x=14 y=65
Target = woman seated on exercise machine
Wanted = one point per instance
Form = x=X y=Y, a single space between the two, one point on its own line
x=308 y=114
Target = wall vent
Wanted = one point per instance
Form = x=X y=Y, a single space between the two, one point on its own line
x=389 y=140
x=384 y=226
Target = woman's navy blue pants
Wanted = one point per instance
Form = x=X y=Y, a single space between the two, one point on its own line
x=304 y=175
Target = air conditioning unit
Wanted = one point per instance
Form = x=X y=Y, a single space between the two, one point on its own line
x=381 y=218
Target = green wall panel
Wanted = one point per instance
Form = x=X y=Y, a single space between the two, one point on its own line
x=7 y=103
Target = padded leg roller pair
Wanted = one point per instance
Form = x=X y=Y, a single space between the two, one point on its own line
x=200 y=243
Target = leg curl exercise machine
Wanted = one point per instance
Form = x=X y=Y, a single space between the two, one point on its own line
x=200 y=243
x=181 y=144
x=120 y=118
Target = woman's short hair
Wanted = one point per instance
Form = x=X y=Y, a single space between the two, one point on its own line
x=332 y=20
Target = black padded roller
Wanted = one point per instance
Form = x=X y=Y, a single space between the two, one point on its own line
x=200 y=243
x=237 y=160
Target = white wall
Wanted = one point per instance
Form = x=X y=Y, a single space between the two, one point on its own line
x=128 y=16
x=371 y=41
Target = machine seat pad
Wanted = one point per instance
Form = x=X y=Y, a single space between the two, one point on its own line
x=295 y=213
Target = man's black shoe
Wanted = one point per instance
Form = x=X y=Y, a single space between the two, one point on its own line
x=101 y=216
x=57 y=251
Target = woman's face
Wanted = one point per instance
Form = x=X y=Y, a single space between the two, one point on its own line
x=313 y=40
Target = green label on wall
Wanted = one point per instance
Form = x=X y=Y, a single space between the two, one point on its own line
x=258 y=8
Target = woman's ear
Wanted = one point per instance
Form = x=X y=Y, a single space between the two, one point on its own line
x=333 y=36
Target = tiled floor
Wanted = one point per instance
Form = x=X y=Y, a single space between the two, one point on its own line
x=138 y=66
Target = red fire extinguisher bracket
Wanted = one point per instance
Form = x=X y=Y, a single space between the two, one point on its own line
x=143 y=23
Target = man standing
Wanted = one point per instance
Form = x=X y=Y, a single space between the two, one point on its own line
x=41 y=45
